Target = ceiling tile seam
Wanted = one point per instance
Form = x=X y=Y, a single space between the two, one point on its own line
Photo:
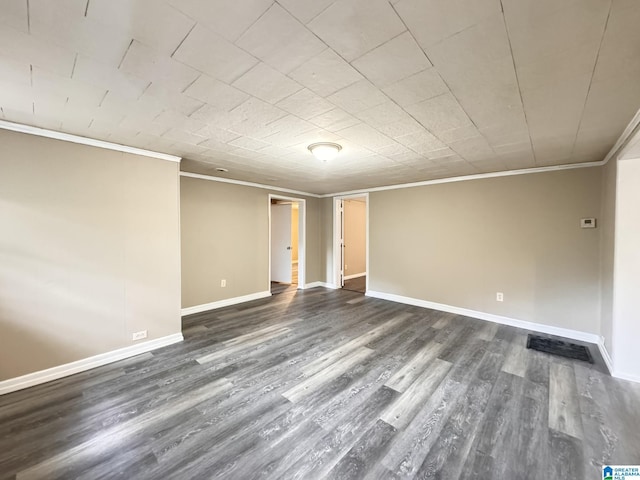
x=185 y=37
x=385 y=94
x=393 y=7
x=257 y=60
x=384 y=43
x=190 y=84
x=102 y=99
x=125 y=53
x=461 y=108
x=593 y=71
x=312 y=19
x=144 y=90
x=285 y=114
x=73 y=68
x=449 y=88
x=441 y=78
x=235 y=42
x=515 y=71
x=302 y=87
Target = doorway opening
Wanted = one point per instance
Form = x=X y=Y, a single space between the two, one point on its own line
x=351 y=242
x=286 y=243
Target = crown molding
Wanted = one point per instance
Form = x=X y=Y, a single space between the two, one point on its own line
x=248 y=184
x=619 y=148
x=478 y=176
x=67 y=137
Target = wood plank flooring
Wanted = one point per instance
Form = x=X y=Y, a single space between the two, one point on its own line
x=327 y=384
x=358 y=284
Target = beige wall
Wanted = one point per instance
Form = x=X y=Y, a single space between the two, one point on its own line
x=606 y=224
x=355 y=237
x=294 y=232
x=89 y=251
x=460 y=243
x=225 y=235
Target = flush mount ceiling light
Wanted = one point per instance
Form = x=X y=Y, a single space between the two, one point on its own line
x=324 y=150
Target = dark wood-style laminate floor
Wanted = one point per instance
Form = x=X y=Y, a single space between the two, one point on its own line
x=326 y=384
x=358 y=284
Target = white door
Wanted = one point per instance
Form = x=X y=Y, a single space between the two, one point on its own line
x=281 y=243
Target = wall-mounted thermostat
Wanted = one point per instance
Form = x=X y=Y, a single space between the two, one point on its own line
x=587 y=223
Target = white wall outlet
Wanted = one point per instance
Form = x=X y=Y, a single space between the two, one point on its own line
x=139 y=335
x=223 y=283
x=346 y=267
x=499 y=297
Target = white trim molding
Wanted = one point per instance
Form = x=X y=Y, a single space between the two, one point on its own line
x=302 y=236
x=67 y=137
x=249 y=184
x=227 y=302
x=536 y=327
x=465 y=178
x=54 y=373
x=626 y=376
x=321 y=284
x=605 y=356
x=355 y=275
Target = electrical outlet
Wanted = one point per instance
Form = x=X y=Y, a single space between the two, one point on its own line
x=346 y=267
x=223 y=283
x=499 y=297
x=139 y=335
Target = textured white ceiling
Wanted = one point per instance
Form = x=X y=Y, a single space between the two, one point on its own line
x=412 y=89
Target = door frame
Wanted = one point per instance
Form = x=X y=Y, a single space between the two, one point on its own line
x=337 y=240
x=302 y=238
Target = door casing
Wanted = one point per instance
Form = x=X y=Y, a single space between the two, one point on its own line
x=302 y=237
x=338 y=238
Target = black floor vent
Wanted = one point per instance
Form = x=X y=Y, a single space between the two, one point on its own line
x=558 y=347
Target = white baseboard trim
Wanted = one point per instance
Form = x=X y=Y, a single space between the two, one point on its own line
x=54 y=373
x=536 y=327
x=356 y=275
x=227 y=302
x=320 y=284
x=605 y=356
x=626 y=376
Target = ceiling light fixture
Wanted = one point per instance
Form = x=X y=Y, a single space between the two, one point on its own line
x=324 y=150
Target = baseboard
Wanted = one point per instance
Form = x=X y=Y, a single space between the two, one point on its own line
x=536 y=327
x=356 y=275
x=54 y=373
x=605 y=356
x=320 y=284
x=225 y=303
x=626 y=376
x=609 y=362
